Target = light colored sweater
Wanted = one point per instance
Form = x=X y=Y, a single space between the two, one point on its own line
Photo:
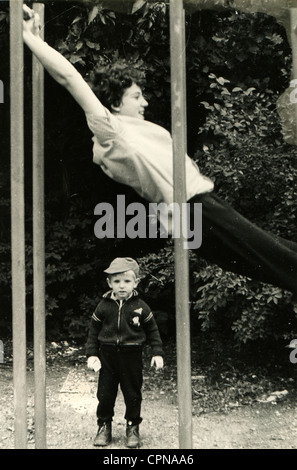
x=139 y=153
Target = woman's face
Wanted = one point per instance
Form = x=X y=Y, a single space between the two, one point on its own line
x=133 y=103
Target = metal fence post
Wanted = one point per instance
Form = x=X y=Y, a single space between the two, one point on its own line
x=38 y=245
x=18 y=222
x=178 y=105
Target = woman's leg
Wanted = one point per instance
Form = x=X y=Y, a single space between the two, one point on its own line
x=235 y=244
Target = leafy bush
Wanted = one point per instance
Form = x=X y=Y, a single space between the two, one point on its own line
x=251 y=310
x=244 y=153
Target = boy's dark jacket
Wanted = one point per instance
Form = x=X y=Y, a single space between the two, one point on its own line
x=129 y=324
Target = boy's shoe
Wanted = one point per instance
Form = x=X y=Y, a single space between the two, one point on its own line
x=132 y=433
x=103 y=437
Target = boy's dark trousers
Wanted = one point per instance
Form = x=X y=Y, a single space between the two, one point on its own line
x=235 y=244
x=120 y=366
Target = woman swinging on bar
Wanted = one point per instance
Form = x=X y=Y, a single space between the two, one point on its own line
x=138 y=153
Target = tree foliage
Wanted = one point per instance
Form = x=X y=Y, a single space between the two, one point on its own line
x=238 y=65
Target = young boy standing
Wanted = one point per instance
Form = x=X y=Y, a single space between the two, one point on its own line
x=119 y=327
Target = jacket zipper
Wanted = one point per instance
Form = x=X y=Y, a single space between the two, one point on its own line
x=119 y=322
x=119 y=317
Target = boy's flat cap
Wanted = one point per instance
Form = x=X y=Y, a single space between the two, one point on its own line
x=120 y=265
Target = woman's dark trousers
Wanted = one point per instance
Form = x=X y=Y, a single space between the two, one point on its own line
x=235 y=244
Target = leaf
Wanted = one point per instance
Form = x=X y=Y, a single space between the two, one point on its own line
x=249 y=91
x=222 y=81
x=93 y=45
x=93 y=13
x=237 y=89
x=76 y=20
x=3 y=15
x=75 y=59
x=206 y=105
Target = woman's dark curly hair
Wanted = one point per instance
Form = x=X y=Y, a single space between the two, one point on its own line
x=110 y=82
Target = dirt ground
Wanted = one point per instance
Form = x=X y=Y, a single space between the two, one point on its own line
x=71 y=422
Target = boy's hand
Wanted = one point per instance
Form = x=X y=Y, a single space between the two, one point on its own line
x=94 y=363
x=31 y=21
x=158 y=362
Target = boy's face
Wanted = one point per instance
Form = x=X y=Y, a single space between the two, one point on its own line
x=133 y=103
x=122 y=284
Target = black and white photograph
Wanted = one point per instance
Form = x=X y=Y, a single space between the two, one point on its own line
x=148 y=230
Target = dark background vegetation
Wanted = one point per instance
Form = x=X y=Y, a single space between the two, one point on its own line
x=237 y=66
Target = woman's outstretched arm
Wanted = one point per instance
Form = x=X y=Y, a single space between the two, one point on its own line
x=58 y=67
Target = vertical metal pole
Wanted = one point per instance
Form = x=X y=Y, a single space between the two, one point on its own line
x=18 y=223
x=178 y=100
x=38 y=246
x=293 y=21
